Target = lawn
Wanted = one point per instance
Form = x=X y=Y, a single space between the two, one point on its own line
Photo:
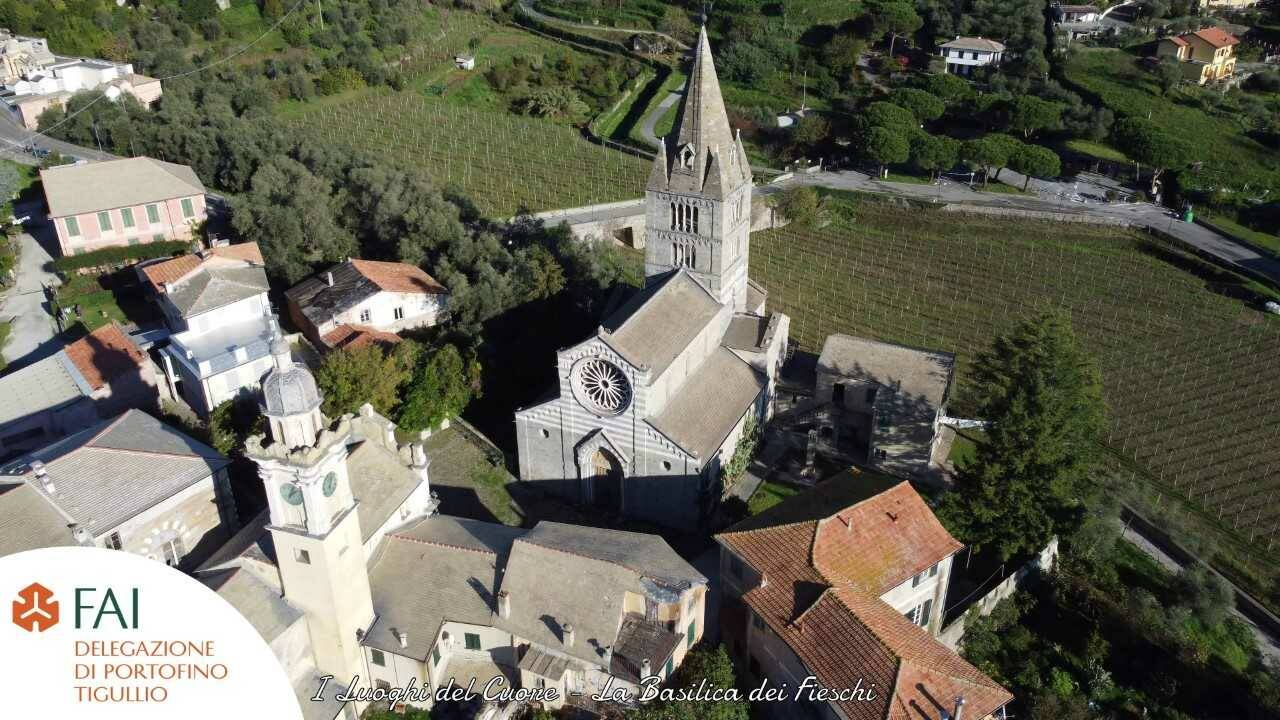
x=770 y=493
x=500 y=161
x=1228 y=226
x=669 y=85
x=1095 y=150
x=102 y=299
x=1185 y=362
x=1114 y=78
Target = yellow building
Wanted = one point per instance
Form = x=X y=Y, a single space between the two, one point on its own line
x=1206 y=55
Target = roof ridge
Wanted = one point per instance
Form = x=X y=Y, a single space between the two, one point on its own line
x=437 y=543
x=110 y=424
x=164 y=167
x=525 y=538
x=767 y=527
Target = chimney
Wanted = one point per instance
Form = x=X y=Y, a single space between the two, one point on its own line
x=959 y=707
x=646 y=669
x=403 y=637
x=328 y=278
x=566 y=633
x=504 y=603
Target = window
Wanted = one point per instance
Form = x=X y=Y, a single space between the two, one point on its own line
x=435 y=656
x=133 y=241
x=126 y=217
x=871 y=396
x=545 y=433
x=666 y=465
x=157 y=238
x=472 y=640
x=113 y=541
x=188 y=209
x=73 y=227
x=377 y=657
x=933 y=570
x=104 y=221
x=915 y=581
x=364 y=315
x=399 y=313
x=153 y=214
x=302 y=556
x=926 y=611
x=693 y=631
x=837 y=394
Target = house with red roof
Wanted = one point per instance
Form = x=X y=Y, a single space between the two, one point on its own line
x=1206 y=55
x=846 y=584
x=359 y=302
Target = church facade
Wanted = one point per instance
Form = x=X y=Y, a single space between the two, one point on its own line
x=651 y=408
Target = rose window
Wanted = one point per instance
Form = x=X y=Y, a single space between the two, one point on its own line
x=601 y=386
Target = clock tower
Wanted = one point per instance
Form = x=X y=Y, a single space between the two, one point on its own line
x=314 y=524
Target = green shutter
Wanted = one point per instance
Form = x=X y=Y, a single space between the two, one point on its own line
x=188 y=209
x=73 y=227
x=157 y=238
x=693 y=630
x=153 y=214
x=126 y=215
x=104 y=221
x=473 y=641
x=671 y=666
x=435 y=656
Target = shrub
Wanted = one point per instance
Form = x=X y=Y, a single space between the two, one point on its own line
x=119 y=255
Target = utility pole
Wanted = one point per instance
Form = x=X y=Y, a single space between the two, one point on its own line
x=320 y=12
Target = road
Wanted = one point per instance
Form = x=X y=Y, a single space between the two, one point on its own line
x=31 y=336
x=1268 y=645
x=14 y=137
x=527 y=8
x=648 y=125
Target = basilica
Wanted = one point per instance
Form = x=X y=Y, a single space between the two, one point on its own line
x=651 y=407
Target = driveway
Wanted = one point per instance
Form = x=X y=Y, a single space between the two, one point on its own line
x=31 y=336
x=650 y=122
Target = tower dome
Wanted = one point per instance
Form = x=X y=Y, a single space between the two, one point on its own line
x=290 y=399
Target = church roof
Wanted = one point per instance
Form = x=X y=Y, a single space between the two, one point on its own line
x=659 y=322
x=29 y=522
x=710 y=403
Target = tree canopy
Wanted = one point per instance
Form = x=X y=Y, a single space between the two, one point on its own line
x=711 y=665
x=1034 y=160
x=1041 y=395
x=442 y=385
x=351 y=377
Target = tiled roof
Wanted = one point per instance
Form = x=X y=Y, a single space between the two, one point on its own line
x=48 y=383
x=111 y=184
x=1176 y=40
x=710 y=403
x=659 y=322
x=1216 y=37
x=398 y=277
x=29 y=522
x=104 y=354
x=212 y=286
x=176 y=268
x=918 y=376
x=974 y=43
x=826 y=555
x=113 y=471
x=348 y=335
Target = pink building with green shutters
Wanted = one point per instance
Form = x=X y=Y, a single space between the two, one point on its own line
x=122 y=202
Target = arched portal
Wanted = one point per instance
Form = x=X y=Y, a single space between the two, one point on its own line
x=606 y=481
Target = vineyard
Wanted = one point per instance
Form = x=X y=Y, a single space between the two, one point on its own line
x=1193 y=406
x=502 y=162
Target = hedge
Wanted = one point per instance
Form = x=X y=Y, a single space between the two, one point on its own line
x=120 y=255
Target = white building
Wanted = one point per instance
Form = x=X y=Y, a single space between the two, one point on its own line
x=365 y=298
x=216 y=305
x=964 y=54
x=651 y=407
x=52 y=84
x=22 y=55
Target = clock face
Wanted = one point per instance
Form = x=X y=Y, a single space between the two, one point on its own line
x=330 y=484
x=292 y=494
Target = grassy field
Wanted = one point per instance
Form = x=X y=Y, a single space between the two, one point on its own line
x=770 y=493
x=1095 y=149
x=502 y=162
x=467 y=483
x=1193 y=410
x=1116 y=80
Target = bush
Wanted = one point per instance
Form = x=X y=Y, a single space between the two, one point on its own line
x=119 y=255
x=337 y=80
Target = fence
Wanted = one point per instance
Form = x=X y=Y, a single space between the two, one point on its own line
x=953 y=633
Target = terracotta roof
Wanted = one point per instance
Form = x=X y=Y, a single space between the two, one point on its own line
x=1216 y=37
x=974 y=43
x=178 y=267
x=826 y=556
x=398 y=277
x=1177 y=41
x=104 y=354
x=348 y=335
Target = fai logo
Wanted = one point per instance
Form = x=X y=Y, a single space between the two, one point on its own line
x=35 y=610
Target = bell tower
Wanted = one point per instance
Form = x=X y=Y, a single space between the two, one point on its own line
x=698 y=200
x=314 y=524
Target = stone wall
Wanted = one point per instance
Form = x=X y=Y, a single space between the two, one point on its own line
x=952 y=634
